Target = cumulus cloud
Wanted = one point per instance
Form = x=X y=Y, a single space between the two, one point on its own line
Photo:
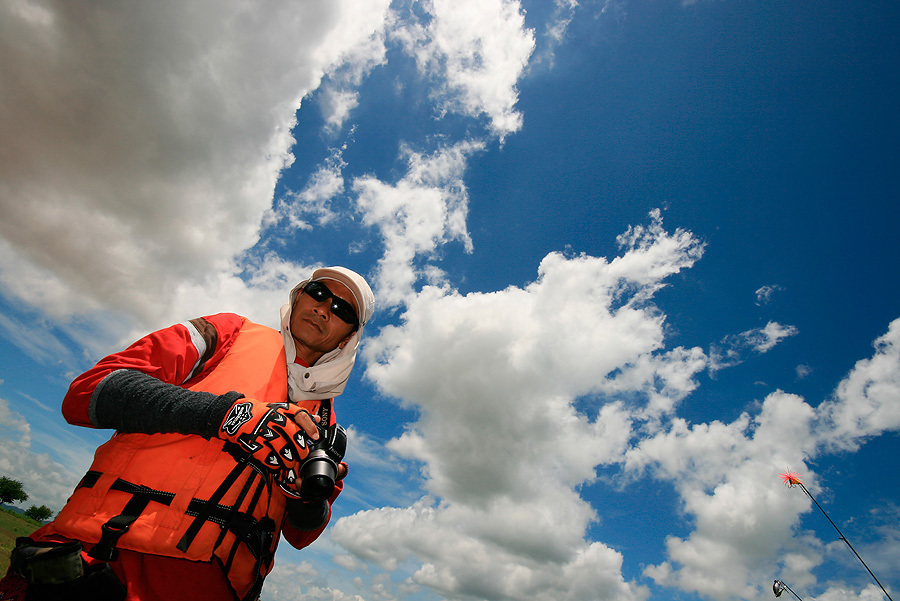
x=663 y=379
x=424 y=210
x=46 y=481
x=478 y=50
x=142 y=143
x=337 y=105
x=256 y=288
x=725 y=475
x=339 y=92
x=495 y=378
x=842 y=593
x=313 y=205
x=293 y=581
x=865 y=402
x=493 y=373
x=457 y=564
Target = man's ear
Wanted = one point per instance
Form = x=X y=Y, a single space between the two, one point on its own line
x=344 y=342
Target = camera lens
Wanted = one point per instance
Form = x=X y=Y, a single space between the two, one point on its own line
x=318 y=479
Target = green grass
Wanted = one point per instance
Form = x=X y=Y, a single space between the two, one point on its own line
x=12 y=525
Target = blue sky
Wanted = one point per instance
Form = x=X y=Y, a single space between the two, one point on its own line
x=631 y=259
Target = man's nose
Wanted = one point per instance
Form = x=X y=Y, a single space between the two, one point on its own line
x=323 y=307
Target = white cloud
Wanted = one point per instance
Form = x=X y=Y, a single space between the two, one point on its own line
x=142 y=143
x=803 y=371
x=726 y=476
x=478 y=49
x=337 y=106
x=339 y=95
x=425 y=209
x=495 y=377
x=46 y=481
x=865 y=402
x=456 y=563
x=764 y=294
x=292 y=581
x=764 y=340
x=845 y=593
x=256 y=290
x=564 y=12
x=313 y=205
x=733 y=350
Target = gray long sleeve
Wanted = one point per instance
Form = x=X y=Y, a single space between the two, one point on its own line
x=133 y=402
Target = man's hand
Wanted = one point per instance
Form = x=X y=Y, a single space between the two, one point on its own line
x=269 y=433
x=309 y=424
x=305 y=420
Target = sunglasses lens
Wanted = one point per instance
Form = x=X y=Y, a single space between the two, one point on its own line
x=317 y=291
x=343 y=310
x=339 y=307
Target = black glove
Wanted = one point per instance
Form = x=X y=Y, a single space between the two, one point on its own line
x=307 y=515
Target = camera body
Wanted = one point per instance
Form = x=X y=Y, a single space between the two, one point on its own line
x=318 y=470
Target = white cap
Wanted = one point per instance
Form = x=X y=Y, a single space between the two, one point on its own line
x=358 y=286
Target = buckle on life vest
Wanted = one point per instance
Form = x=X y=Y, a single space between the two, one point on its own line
x=115 y=527
x=106 y=550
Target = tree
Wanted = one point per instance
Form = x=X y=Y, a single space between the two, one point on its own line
x=39 y=513
x=11 y=490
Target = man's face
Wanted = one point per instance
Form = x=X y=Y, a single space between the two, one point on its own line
x=315 y=329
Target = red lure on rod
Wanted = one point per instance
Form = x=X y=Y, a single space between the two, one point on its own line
x=791 y=480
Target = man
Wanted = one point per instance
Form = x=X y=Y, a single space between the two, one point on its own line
x=214 y=420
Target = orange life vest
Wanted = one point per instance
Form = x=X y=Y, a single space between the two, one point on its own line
x=185 y=496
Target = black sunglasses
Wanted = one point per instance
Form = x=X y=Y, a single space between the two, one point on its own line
x=339 y=307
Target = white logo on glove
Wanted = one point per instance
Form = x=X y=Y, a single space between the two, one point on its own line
x=239 y=415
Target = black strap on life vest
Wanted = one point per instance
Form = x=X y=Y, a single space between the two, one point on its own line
x=266 y=533
x=115 y=527
x=229 y=517
x=205 y=508
x=257 y=535
x=258 y=540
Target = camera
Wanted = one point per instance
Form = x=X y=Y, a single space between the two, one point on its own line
x=319 y=469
